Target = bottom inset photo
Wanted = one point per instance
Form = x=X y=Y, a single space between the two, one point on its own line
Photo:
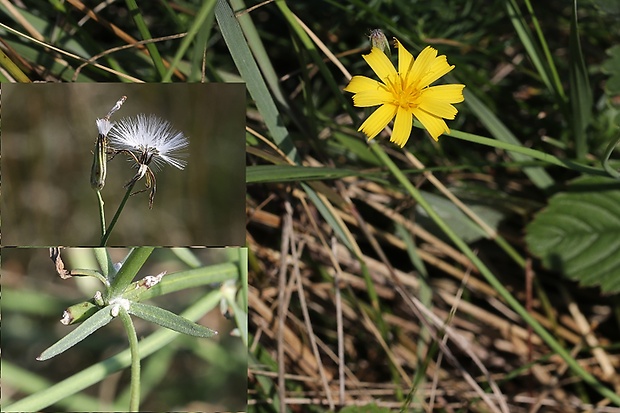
x=124 y=329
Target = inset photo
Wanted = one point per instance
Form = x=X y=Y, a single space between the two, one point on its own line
x=124 y=329
x=116 y=164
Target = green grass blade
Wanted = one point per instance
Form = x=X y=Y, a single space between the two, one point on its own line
x=240 y=52
x=146 y=35
x=542 y=60
x=284 y=173
x=581 y=100
x=197 y=25
x=498 y=130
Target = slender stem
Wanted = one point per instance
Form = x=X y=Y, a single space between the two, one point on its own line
x=101 y=212
x=91 y=273
x=106 y=235
x=134 y=400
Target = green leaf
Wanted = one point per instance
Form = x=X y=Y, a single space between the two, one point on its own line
x=132 y=264
x=169 y=320
x=577 y=233
x=611 y=67
x=460 y=223
x=502 y=134
x=244 y=60
x=288 y=173
x=89 y=326
x=79 y=312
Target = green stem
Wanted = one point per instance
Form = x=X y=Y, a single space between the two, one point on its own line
x=134 y=400
x=492 y=280
x=101 y=212
x=106 y=235
x=545 y=157
x=90 y=273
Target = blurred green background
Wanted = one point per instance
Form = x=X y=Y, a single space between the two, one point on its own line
x=188 y=374
x=48 y=135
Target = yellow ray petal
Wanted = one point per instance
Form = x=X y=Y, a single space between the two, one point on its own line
x=422 y=64
x=438 y=68
x=371 y=98
x=405 y=59
x=378 y=120
x=402 y=127
x=434 y=125
x=449 y=93
x=361 y=83
x=380 y=64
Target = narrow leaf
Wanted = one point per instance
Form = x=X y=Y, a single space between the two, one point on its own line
x=288 y=173
x=169 y=320
x=581 y=99
x=89 y=326
x=246 y=64
x=132 y=264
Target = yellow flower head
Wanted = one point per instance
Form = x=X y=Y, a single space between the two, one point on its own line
x=406 y=93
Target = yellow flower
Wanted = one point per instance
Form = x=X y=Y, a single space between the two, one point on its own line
x=406 y=93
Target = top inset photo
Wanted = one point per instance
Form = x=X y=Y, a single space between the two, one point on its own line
x=123 y=165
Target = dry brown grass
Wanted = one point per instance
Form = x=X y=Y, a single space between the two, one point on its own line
x=312 y=312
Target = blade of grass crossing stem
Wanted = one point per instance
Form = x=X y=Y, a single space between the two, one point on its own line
x=538 y=176
x=493 y=281
x=542 y=61
x=581 y=100
x=198 y=51
x=247 y=67
x=146 y=35
x=199 y=21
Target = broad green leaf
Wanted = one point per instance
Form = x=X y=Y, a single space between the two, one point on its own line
x=169 y=320
x=89 y=326
x=577 y=233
